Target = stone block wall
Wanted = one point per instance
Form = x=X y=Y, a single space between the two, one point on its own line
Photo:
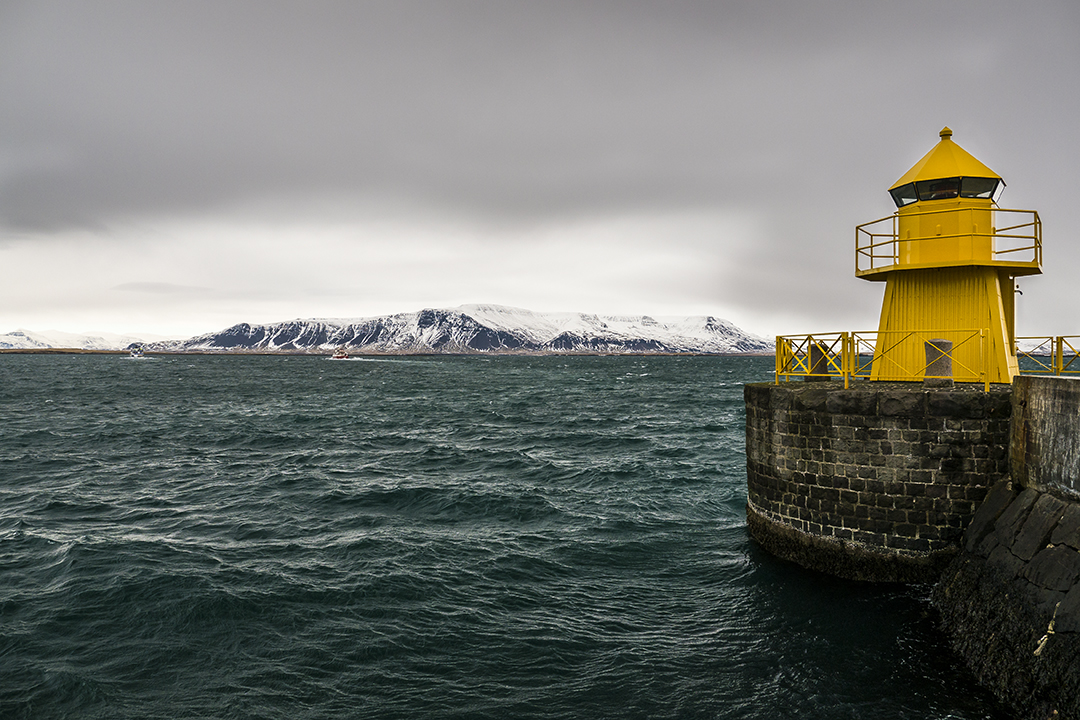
x=1046 y=434
x=875 y=482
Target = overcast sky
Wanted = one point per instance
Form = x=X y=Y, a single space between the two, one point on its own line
x=178 y=167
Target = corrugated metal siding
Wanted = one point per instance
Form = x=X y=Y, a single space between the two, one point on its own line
x=938 y=301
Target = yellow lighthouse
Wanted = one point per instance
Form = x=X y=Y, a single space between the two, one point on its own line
x=949 y=257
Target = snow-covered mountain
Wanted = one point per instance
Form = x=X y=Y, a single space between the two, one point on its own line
x=30 y=340
x=483 y=329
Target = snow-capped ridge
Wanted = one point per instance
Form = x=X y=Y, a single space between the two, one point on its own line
x=31 y=340
x=484 y=329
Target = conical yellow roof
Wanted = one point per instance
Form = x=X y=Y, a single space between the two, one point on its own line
x=946 y=160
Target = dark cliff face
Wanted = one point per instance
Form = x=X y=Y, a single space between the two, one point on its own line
x=367 y=333
x=240 y=336
x=488 y=339
x=431 y=318
x=571 y=342
x=645 y=345
x=565 y=341
x=296 y=336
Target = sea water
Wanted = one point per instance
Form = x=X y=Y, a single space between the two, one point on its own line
x=443 y=537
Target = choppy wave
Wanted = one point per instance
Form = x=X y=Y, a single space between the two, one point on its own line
x=272 y=537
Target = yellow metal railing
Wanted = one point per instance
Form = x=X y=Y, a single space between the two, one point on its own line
x=877 y=243
x=901 y=355
x=1050 y=355
x=823 y=355
x=881 y=355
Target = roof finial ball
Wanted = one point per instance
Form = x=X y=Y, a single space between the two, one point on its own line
x=949 y=257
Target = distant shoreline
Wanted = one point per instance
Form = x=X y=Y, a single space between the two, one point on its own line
x=326 y=353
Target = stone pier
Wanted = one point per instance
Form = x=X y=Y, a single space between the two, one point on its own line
x=875 y=482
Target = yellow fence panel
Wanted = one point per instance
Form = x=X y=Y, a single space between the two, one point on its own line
x=1049 y=355
x=900 y=356
x=823 y=355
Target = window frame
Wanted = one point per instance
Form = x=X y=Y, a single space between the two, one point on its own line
x=895 y=195
x=989 y=196
x=924 y=187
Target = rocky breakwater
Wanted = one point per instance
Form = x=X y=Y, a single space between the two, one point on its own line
x=1011 y=600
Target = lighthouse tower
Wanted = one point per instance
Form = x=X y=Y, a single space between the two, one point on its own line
x=949 y=257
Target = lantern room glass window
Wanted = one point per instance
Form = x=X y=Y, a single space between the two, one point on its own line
x=904 y=195
x=942 y=189
x=971 y=187
x=946 y=188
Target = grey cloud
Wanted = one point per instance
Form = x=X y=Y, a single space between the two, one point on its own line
x=160 y=288
x=801 y=113
x=506 y=107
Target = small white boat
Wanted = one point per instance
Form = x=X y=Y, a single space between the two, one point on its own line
x=137 y=352
x=340 y=354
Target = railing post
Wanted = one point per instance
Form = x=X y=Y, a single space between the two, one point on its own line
x=896 y=238
x=856 y=249
x=1059 y=355
x=845 y=358
x=778 y=357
